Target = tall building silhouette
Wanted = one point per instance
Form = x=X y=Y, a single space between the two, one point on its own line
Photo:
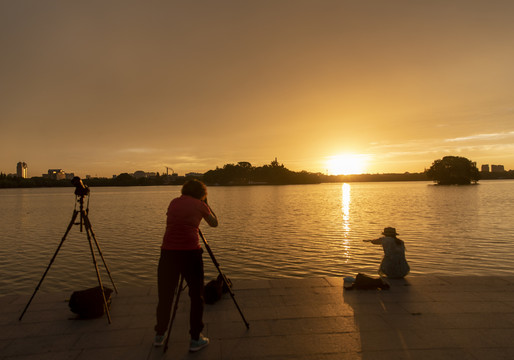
x=21 y=170
x=497 y=168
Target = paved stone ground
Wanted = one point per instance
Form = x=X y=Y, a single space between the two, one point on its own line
x=421 y=317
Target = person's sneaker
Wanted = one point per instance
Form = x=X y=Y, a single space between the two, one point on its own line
x=159 y=340
x=199 y=344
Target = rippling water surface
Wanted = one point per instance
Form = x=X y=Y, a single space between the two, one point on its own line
x=265 y=231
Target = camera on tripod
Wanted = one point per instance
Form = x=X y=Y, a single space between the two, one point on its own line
x=82 y=191
x=80 y=188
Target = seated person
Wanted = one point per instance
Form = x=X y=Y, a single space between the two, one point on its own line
x=394 y=265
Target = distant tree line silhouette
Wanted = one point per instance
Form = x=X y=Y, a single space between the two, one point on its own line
x=243 y=173
x=448 y=170
x=7 y=181
x=123 y=179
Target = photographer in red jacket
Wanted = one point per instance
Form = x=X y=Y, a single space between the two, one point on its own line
x=181 y=254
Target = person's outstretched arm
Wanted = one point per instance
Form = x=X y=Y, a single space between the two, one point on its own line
x=212 y=219
x=375 y=241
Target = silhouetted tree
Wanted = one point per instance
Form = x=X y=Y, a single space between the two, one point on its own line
x=245 y=164
x=453 y=170
x=125 y=179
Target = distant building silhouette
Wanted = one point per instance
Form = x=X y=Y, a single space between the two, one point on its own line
x=139 y=174
x=55 y=174
x=497 y=168
x=21 y=170
x=194 y=175
x=143 y=174
x=485 y=168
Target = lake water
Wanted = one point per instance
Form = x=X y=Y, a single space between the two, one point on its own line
x=265 y=231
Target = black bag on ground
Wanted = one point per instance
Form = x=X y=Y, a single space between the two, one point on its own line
x=365 y=282
x=89 y=303
x=214 y=289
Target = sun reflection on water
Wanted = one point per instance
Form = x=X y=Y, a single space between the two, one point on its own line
x=345 y=210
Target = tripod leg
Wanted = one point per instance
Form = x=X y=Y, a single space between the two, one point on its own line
x=217 y=265
x=74 y=216
x=175 y=307
x=88 y=232
x=88 y=225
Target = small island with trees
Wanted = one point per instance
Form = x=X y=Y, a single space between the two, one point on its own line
x=453 y=170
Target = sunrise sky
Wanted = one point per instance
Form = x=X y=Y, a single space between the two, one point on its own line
x=104 y=87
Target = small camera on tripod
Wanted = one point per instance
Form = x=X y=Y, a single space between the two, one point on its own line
x=81 y=191
x=80 y=188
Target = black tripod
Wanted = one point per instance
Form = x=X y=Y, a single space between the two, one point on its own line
x=80 y=192
x=225 y=282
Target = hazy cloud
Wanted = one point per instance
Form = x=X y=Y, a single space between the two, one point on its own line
x=496 y=136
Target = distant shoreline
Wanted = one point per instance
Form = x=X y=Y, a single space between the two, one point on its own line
x=40 y=182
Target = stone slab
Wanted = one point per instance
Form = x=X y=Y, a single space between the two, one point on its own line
x=420 y=317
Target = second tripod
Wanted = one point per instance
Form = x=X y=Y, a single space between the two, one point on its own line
x=82 y=214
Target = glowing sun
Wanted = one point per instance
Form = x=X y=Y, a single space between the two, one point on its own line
x=346 y=164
